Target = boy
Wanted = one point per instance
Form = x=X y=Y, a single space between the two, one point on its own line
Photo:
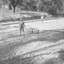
x=22 y=25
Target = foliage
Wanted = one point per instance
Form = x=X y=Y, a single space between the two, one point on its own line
x=49 y=6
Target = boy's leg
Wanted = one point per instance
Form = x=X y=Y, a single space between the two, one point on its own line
x=23 y=32
x=20 y=31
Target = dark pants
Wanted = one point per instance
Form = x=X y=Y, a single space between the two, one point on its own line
x=21 y=30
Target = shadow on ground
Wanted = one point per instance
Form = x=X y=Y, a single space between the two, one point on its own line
x=52 y=36
x=18 y=60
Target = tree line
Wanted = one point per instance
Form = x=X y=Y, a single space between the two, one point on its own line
x=50 y=6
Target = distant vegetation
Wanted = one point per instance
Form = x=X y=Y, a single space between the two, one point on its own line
x=53 y=7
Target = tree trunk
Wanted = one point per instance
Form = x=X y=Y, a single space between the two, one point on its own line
x=10 y=7
x=13 y=8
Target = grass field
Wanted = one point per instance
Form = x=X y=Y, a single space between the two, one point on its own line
x=8 y=16
x=46 y=47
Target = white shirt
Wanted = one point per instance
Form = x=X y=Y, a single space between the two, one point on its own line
x=42 y=17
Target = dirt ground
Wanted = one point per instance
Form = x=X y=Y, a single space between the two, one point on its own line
x=47 y=47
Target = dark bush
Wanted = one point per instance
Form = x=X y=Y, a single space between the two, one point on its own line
x=52 y=11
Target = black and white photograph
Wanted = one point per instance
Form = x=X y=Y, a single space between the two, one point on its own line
x=31 y=31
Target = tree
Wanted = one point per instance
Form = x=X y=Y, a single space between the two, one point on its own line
x=29 y=4
x=52 y=6
x=13 y=3
x=58 y=3
x=39 y=5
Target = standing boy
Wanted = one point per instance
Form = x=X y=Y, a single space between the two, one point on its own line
x=22 y=26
